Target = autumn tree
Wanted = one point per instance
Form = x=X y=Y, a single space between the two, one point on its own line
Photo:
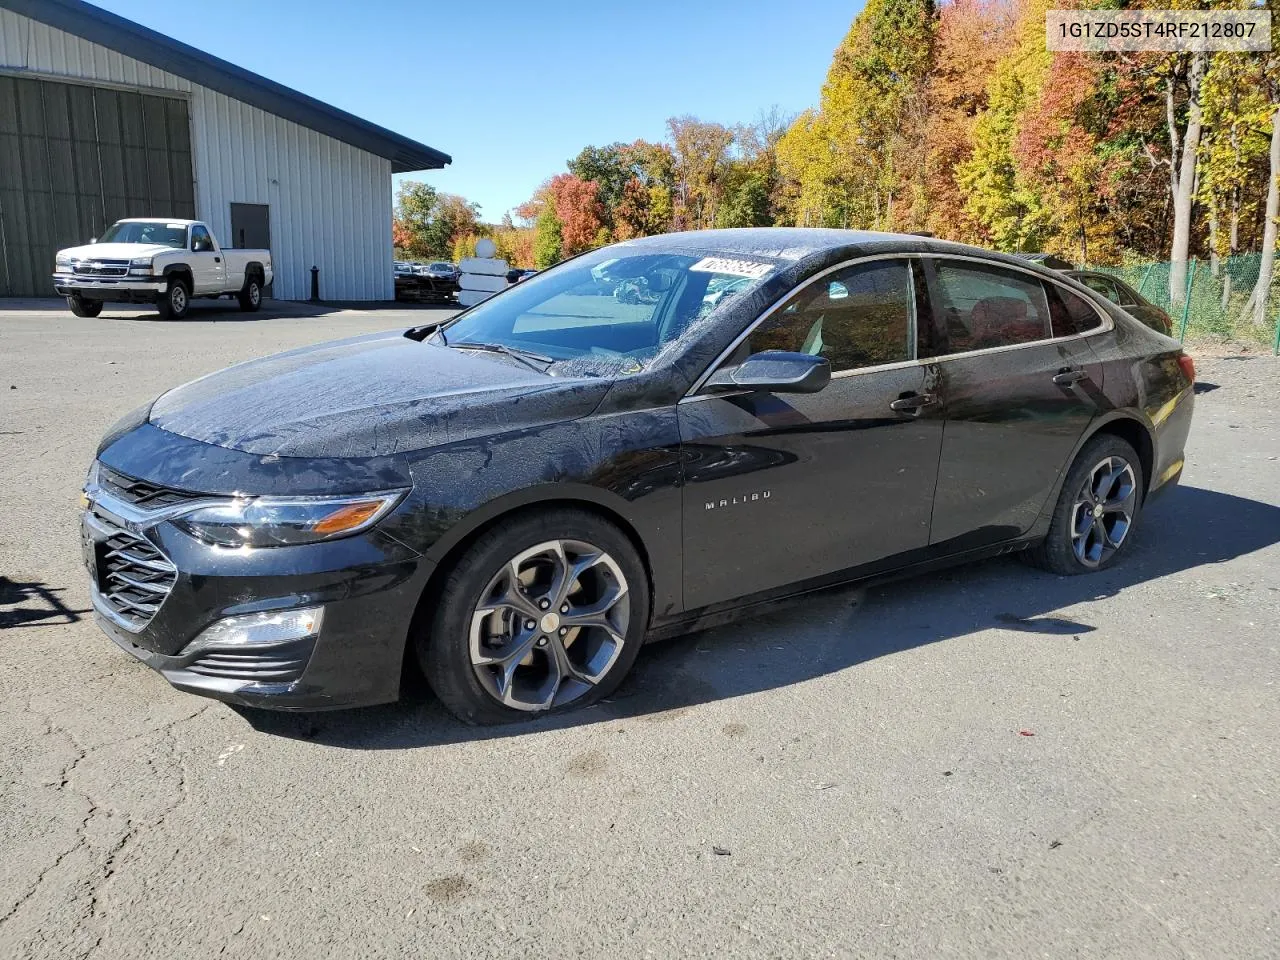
x=1009 y=209
x=578 y=208
x=701 y=155
x=427 y=222
x=1233 y=156
x=863 y=149
x=971 y=36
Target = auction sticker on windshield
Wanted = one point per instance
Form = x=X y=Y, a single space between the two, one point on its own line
x=733 y=267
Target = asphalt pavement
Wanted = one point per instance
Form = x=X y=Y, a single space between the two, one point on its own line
x=990 y=761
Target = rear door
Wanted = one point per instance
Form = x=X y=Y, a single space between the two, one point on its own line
x=783 y=487
x=1020 y=385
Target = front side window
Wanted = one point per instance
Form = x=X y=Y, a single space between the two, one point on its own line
x=610 y=311
x=856 y=317
x=200 y=239
x=983 y=307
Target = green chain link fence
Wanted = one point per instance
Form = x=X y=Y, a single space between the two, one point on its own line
x=1219 y=297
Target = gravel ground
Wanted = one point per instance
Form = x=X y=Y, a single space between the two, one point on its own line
x=986 y=762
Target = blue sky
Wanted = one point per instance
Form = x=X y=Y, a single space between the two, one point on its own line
x=512 y=91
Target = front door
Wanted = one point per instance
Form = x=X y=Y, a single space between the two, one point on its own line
x=1019 y=386
x=207 y=269
x=783 y=487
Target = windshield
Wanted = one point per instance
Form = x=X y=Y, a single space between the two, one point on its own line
x=151 y=231
x=442 y=267
x=609 y=313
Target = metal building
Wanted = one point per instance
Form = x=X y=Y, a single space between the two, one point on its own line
x=101 y=118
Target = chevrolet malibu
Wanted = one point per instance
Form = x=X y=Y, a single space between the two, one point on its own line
x=518 y=498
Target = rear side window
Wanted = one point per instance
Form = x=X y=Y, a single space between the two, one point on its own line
x=856 y=317
x=983 y=307
x=1101 y=285
x=1071 y=314
x=1128 y=296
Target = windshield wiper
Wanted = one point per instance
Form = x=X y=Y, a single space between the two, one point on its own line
x=525 y=357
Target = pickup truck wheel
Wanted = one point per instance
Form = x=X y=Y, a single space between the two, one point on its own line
x=251 y=295
x=175 y=300
x=84 y=308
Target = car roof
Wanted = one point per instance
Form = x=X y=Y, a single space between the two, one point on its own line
x=798 y=243
x=185 y=223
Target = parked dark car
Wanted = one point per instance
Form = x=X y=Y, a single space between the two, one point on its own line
x=520 y=496
x=1050 y=260
x=436 y=282
x=1125 y=297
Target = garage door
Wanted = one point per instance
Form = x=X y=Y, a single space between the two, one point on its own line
x=73 y=160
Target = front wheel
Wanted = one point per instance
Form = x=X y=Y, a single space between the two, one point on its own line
x=84 y=308
x=175 y=300
x=1097 y=509
x=545 y=613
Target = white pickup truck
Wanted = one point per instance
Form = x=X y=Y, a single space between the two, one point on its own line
x=165 y=262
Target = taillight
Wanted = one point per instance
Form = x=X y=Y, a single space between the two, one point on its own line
x=1188 y=367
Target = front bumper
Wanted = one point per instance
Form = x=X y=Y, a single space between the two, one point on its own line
x=118 y=289
x=368 y=584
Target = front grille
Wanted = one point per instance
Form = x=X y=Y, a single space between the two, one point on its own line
x=281 y=664
x=149 y=496
x=101 y=268
x=134 y=577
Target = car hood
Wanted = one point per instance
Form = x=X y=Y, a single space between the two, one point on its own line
x=115 y=251
x=369 y=396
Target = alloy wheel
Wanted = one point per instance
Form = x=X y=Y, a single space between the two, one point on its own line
x=1103 y=512
x=550 y=625
x=255 y=293
x=178 y=297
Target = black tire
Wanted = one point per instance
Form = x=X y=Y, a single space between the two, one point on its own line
x=84 y=308
x=250 y=296
x=1063 y=550
x=172 y=304
x=444 y=648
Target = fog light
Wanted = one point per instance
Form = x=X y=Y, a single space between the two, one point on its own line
x=270 y=626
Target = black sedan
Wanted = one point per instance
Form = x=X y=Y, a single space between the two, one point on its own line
x=518 y=498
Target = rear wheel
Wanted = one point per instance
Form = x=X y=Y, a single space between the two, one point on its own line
x=175 y=300
x=251 y=295
x=84 y=308
x=543 y=614
x=1096 y=511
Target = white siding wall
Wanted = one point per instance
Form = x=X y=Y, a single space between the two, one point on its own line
x=330 y=202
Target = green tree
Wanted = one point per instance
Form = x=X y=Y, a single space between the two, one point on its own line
x=427 y=223
x=747 y=203
x=547 y=237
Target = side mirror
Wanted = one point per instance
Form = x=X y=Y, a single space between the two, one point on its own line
x=774 y=371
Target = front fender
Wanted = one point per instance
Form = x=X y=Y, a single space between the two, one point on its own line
x=626 y=465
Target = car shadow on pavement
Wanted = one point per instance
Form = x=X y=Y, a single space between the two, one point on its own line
x=1189 y=529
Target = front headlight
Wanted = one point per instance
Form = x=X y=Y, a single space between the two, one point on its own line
x=61 y=263
x=141 y=266
x=285 y=521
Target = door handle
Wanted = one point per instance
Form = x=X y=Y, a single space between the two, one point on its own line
x=217 y=259
x=1067 y=377
x=913 y=403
